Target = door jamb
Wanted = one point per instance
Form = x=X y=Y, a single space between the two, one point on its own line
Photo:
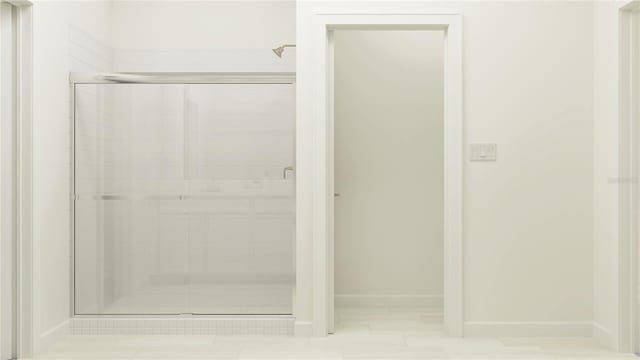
x=629 y=194
x=315 y=117
x=21 y=173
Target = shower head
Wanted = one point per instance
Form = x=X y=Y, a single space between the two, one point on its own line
x=279 y=50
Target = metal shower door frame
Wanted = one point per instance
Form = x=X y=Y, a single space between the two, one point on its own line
x=186 y=78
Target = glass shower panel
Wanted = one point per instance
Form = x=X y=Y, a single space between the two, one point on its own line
x=239 y=147
x=184 y=198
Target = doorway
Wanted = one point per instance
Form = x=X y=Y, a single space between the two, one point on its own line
x=388 y=180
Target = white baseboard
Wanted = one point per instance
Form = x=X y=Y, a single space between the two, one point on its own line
x=52 y=336
x=528 y=329
x=604 y=336
x=303 y=328
x=347 y=300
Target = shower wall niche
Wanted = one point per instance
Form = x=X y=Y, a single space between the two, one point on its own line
x=184 y=198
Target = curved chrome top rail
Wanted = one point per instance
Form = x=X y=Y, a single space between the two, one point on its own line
x=184 y=78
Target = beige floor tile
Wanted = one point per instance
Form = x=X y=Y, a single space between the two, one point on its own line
x=361 y=333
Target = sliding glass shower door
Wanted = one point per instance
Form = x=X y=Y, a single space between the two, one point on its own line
x=184 y=198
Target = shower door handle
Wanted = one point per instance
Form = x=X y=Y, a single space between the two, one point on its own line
x=284 y=171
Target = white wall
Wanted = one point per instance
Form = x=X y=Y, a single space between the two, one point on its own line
x=389 y=154
x=528 y=253
x=68 y=36
x=528 y=81
x=203 y=35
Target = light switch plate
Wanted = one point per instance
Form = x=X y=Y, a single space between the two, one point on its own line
x=484 y=152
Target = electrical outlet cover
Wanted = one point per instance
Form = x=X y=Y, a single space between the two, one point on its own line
x=483 y=152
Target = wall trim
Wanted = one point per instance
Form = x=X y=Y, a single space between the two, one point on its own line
x=27 y=311
x=303 y=328
x=8 y=145
x=628 y=191
x=528 y=328
x=354 y=300
x=52 y=336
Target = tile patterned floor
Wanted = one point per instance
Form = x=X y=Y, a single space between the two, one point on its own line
x=373 y=333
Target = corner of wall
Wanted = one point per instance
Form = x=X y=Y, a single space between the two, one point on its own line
x=50 y=337
x=604 y=336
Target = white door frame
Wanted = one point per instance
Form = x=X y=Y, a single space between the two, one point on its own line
x=629 y=194
x=315 y=145
x=7 y=182
x=17 y=311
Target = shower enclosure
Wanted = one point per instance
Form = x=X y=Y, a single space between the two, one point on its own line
x=183 y=194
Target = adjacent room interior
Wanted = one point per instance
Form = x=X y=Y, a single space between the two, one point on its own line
x=388 y=156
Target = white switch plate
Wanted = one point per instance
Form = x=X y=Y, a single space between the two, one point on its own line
x=483 y=152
